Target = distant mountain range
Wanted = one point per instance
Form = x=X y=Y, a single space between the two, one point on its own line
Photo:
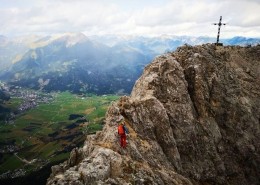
x=94 y=64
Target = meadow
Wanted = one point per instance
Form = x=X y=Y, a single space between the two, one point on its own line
x=47 y=133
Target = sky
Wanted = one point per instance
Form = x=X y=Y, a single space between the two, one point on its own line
x=130 y=17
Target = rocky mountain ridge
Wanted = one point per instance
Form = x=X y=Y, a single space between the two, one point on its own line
x=193 y=118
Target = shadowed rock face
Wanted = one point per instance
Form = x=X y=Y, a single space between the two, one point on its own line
x=193 y=118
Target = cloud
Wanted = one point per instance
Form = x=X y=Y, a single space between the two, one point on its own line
x=195 y=17
x=187 y=17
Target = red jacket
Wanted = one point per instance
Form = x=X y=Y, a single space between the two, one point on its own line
x=121 y=129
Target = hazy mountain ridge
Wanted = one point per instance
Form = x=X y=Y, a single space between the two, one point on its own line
x=164 y=43
x=74 y=62
x=98 y=64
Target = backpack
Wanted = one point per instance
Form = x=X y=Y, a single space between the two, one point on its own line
x=121 y=129
x=126 y=129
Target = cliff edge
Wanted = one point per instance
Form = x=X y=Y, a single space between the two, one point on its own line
x=193 y=118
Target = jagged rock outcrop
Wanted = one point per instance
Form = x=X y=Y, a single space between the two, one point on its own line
x=193 y=118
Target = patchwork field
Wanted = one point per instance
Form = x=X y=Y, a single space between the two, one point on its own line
x=48 y=132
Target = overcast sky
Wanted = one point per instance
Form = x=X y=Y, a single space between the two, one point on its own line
x=135 y=17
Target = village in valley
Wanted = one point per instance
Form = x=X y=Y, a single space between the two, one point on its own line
x=28 y=99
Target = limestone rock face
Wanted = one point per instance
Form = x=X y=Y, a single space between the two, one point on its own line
x=193 y=118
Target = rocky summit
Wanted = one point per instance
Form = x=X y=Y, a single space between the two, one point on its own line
x=193 y=118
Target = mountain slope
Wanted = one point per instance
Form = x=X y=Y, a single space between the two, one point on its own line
x=193 y=118
x=77 y=64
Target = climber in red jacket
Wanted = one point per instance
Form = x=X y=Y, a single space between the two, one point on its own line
x=122 y=131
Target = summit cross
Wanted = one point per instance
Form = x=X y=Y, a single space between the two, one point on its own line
x=219 y=26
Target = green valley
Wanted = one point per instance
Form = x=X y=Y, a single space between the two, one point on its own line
x=48 y=132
